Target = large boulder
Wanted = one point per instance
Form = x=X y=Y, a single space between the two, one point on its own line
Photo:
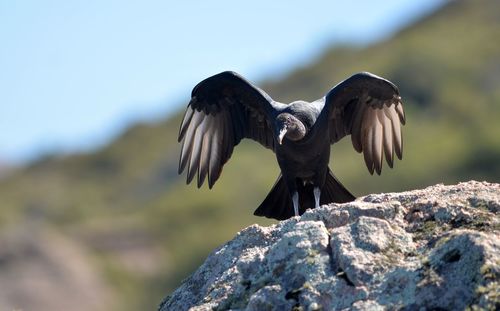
x=436 y=248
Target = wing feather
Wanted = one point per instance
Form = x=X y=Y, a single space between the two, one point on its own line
x=205 y=151
x=388 y=145
x=401 y=113
x=368 y=148
x=187 y=145
x=396 y=132
x=214 y=165
x=196 y=152
x=356 y=128
x=377 y=142
x=184 y=125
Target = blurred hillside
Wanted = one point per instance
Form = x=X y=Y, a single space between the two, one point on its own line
x=135 y=229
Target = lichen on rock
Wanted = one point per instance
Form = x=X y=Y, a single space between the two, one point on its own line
x=435 y=248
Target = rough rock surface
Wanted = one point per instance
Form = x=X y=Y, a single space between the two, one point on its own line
x=431 y=249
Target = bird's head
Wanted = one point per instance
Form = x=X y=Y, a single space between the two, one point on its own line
x=290 y=127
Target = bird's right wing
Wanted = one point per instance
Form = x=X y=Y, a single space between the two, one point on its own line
x=224 y=109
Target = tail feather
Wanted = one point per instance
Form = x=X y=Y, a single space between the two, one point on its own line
x=278 y=203
x=334 y=192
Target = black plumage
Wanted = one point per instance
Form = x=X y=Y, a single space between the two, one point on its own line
x=225 y=108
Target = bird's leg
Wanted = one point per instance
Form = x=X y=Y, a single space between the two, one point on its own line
x=295 y=200
x=317 y=194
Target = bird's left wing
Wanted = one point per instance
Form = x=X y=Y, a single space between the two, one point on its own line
x=369 y=108
x=224 y=109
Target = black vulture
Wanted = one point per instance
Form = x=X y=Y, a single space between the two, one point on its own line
x=226 y=108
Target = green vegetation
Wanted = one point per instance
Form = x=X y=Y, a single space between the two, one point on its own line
x=127 y=198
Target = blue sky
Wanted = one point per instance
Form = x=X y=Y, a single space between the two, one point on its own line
x=74 y=74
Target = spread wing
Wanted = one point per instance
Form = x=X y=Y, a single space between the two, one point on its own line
x=223 y=109
x=369 y=108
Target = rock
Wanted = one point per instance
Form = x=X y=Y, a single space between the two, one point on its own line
x=436 y=248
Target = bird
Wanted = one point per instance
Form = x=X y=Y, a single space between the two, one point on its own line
x=226 y=108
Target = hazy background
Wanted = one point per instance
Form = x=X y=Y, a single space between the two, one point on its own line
x=93 y=215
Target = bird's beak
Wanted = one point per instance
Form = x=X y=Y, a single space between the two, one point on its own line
x=282 y=134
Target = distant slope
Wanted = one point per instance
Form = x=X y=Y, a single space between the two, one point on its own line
x=37 y=275
x=147 y=230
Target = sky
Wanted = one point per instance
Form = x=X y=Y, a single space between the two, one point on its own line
x=75 y=74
